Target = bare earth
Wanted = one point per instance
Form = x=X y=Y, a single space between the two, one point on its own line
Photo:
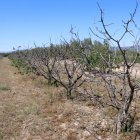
x=31 y=110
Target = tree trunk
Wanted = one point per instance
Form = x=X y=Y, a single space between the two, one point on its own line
x=124 y=122
x=50 y=79
x=118 y=124
x=69 y=92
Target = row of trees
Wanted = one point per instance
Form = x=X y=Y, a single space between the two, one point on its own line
x=71 y=65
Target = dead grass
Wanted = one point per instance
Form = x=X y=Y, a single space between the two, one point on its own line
x=32 y=110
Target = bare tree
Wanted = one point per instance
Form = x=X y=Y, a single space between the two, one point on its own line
x=122 y=96
x=43 y=60
x=68 y=72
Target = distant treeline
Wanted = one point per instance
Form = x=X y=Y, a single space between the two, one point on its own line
x=5 y=54
x=76 y=48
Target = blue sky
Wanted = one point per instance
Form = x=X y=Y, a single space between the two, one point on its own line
x=23 y=22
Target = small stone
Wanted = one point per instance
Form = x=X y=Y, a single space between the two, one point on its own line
x=63 y=126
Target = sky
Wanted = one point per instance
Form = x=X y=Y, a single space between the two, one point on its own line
x=25 y=22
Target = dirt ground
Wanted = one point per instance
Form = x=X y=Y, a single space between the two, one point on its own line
x=31 y=110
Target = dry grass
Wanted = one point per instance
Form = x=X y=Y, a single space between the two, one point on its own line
x=32 y=110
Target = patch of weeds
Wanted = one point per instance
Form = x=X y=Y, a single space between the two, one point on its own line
x=54 y=83
x=1 y=136
x=127 y=136
x=31 y=109
x=4 y=87
x=72 y=136
x=138 y=81
x=111 y=112
x=53 y=97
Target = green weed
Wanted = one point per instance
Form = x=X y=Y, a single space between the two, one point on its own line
x=4 y=87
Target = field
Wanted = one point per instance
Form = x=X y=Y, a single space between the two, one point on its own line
x=32 y=110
